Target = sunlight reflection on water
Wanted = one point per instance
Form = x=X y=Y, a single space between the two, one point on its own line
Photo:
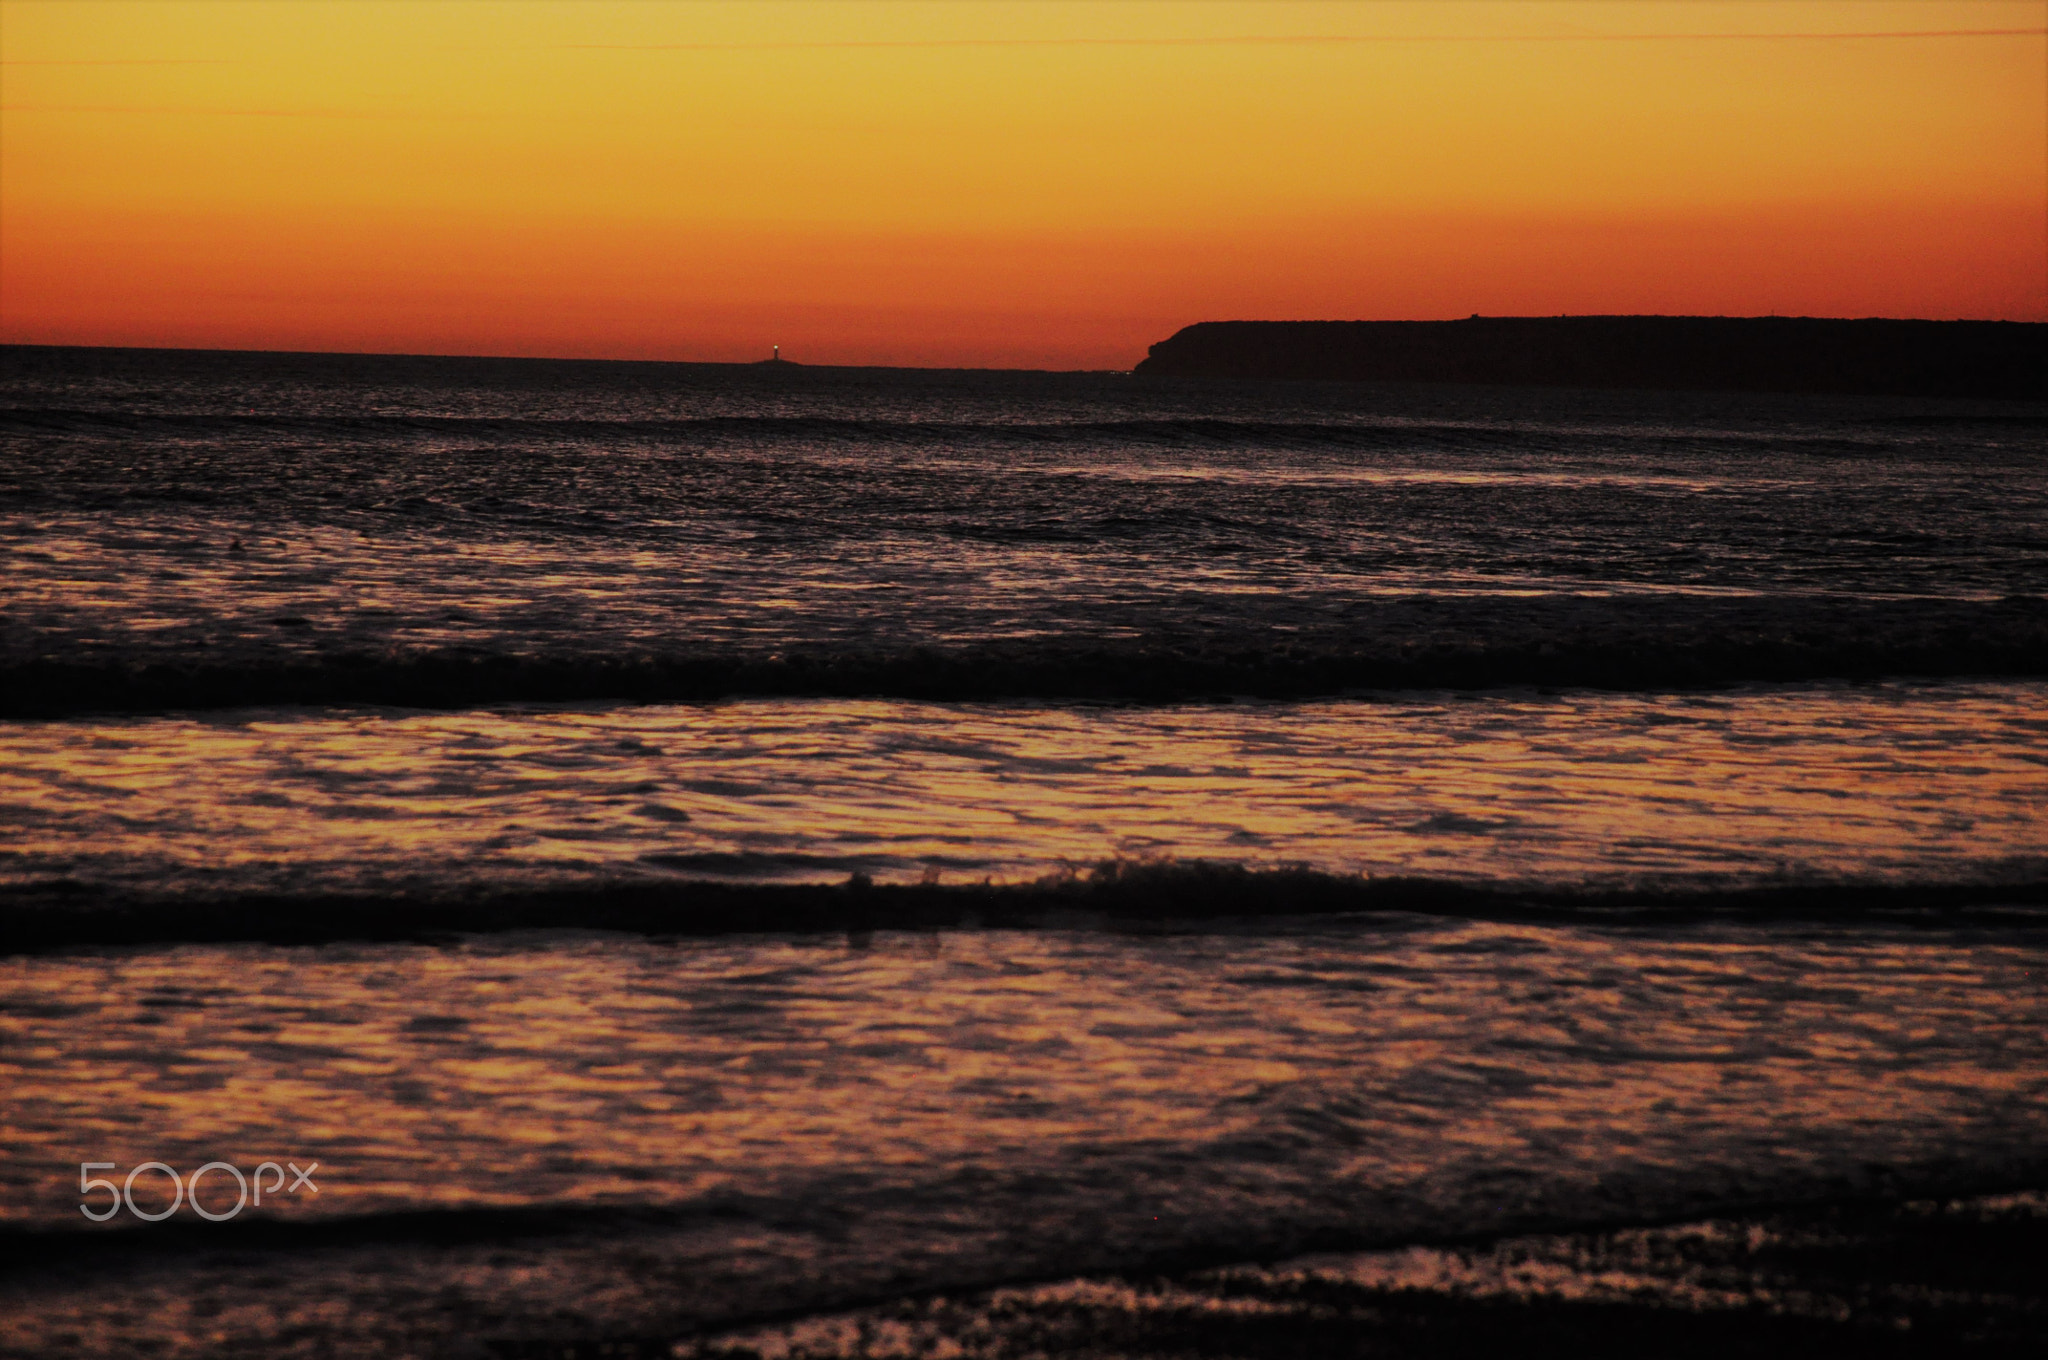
x=1275 y=1068
x=1874 y=780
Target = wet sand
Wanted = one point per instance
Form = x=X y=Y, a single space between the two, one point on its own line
x=1918 y=1278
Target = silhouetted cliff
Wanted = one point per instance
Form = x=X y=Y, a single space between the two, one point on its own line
x=1745 y=354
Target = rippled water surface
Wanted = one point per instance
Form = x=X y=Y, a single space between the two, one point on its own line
x=1130 y=1093
x=250 y=512
x=1906 y=781
x=298 y=647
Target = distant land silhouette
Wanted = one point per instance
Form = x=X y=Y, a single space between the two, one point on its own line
x=1715 y=353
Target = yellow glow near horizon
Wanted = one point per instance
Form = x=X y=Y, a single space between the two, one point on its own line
x=1037 y=183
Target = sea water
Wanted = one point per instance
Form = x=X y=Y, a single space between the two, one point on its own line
x=310 y=640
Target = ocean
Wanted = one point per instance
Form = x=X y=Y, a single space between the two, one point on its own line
x=719 y=860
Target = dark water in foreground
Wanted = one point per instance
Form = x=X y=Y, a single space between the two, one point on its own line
x=610 y=1136
x=305 y=644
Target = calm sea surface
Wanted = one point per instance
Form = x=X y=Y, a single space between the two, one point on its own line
x=306 y=636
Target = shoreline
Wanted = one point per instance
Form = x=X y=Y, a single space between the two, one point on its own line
x=1923 y=1271
x=1769 y=1282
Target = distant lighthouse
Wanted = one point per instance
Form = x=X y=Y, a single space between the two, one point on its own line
x=775 y=354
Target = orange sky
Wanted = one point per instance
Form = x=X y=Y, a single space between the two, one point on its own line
x=1038 y=184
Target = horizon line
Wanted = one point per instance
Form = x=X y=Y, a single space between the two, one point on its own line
x=988 y=368
x=537 y=358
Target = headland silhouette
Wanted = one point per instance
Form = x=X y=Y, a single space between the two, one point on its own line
x=2002 y=359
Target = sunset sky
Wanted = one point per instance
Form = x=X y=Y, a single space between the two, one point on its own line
x=1036 y=184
